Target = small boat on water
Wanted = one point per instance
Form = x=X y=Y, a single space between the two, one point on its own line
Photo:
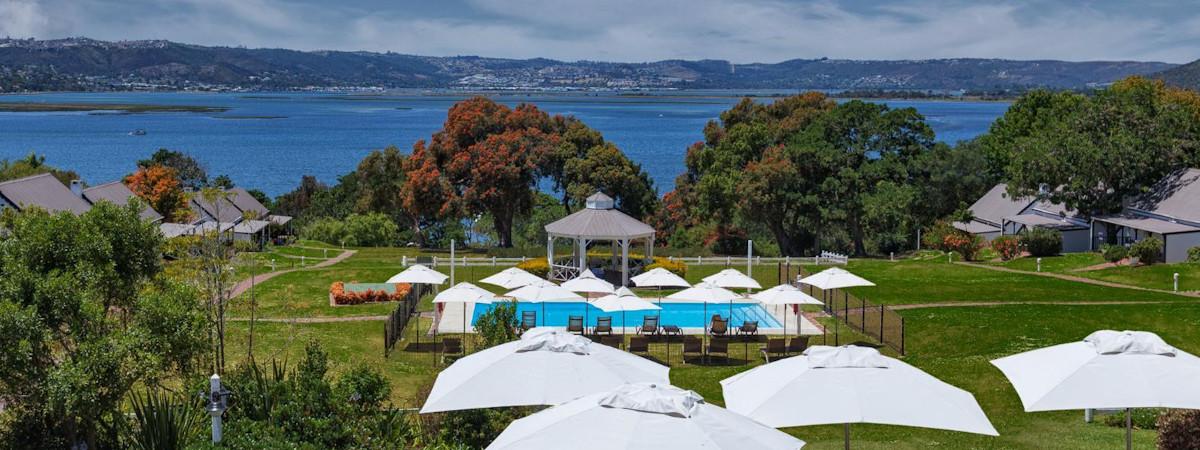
x=138 y=132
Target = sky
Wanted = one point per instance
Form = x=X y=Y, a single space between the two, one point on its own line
x=741 y=31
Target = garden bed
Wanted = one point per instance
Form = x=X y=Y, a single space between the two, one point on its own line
x=354 y=293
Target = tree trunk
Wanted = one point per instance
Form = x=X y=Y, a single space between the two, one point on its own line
x=857 y=235
x=502 y=220
x=418 y=235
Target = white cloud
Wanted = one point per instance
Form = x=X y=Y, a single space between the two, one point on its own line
x=639 y=30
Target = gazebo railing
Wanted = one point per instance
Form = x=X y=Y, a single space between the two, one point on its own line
x=564 y=269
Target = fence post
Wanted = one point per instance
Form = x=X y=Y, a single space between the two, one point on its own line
x=862 y=305
x=698 y=260
x=901 y=335
x=881 y=317
x=493 y=261
x=1176 y=281
x=404 y=261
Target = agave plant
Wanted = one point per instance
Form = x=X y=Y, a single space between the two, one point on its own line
x=164 y=421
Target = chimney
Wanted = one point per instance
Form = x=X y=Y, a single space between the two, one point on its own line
x=77 y=187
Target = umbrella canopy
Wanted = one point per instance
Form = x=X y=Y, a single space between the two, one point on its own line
x=830 y=385
x=625 y=292
x=640 y=417
x=835 y=278
x=704 y=292
x=616 y=303
x=731 y=278
x=588 y=282
x=418 y=274
x=659 y=277
x=543 y=291
x=464 y=293
x=785 y=294
x=544 y=367
x=511 y=278
x=1108 y=369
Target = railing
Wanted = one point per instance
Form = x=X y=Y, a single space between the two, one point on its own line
x=493 y=261
x=397 y=320
x=879 y=322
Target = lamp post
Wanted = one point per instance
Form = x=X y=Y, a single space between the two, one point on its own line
x=218 y=402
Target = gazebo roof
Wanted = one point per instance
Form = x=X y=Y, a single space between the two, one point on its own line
x=599 y=221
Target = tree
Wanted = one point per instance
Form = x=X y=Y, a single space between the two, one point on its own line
x=189 y=170
x=74 y=345
x=32 y=165
x=222 y=182
x=161 y=189
x=381 y=179
x=604 y=168
x=1092 y=152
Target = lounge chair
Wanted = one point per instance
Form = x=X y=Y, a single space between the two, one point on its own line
x=649 y=325
x=639 y=344
x=603 y=325
x=797 y=345
x=719 y=326
x=719 y=346
x=528 y=320
x=611 y=341
x=748 y=328
x=693 y=345
x=451 y=346
x=776 y=348
x=575 y=324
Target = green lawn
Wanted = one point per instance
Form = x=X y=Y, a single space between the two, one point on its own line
x=1157 y=276
x=1059 y=264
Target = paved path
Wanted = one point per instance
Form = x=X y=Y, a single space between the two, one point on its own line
x=1078 y=279
x=244 y=285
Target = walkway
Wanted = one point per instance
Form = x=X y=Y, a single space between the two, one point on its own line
x=1078 y=279
x=244 y=285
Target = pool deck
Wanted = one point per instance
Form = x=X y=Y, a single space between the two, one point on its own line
x=451 y=321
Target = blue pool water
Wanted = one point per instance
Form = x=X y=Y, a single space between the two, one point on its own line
x=685 y=315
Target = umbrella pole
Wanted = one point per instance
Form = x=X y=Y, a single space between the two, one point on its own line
x=543 y=314
x=622 y=329
x=846 y=434
x=464 y=325
x=704 y=324
x=1128 y=429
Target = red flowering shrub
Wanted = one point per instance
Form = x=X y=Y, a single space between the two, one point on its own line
x=964 y=244
x=341 y=297
x=1007 y=246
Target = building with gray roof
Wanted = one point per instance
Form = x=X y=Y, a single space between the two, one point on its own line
x=41 y=191
x=1170 y=211
x=599 y=221
x=117 y=193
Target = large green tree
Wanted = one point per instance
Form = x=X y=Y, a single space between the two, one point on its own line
x=83 y=319
x=1090 y=152
x=189 y=170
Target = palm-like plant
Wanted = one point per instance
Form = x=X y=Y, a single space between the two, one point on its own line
x=164 y=421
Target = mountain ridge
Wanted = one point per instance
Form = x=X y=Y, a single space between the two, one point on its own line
x=89 y=64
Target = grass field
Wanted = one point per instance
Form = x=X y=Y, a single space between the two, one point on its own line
x=952 y=343
x=1157 y=276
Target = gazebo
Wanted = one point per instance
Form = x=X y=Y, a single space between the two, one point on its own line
x=598 y=222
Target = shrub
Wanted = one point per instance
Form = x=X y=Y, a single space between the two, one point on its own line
x=965 y=244
x=342 y=297
x=536 y=266
x=1179 y=429
x=676 y=266
x=1148 y=251
x=164 y=420
x=1113 y=253
x=245 y=246
x=1143 y=418
x=1042 y=241
x=356 y=230
x=1194 y=254
x=498 y=325
x=935 y=237
x=1007 y=246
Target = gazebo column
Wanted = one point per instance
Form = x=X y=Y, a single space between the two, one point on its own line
x=550 y=255
x=625 y=262
x=582 y=244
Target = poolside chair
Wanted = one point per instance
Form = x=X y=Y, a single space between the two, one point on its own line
x=748 y=328
x=603 y=325
x=719 y=346
x=649 y=325
x=528 y=320
x=719 y=326
x=611 y=341
x=639 y=344
x=693 y=345
x=797 y=345
x=575 y=324
x=451 y=346
x=775 y=347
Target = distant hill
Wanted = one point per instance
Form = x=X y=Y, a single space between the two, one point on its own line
x=81 y=63
x=1187 y=75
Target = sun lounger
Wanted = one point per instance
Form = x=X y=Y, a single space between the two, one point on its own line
x=748 y=328
x=649 y=325
x=639 y=344
x=776 y=348
x=719 y=346
x=603 y=325
x=528 y=320
x=719 y=326
x=797 y=345
x=575 y=324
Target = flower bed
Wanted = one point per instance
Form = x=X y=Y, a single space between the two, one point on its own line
x=356 y=294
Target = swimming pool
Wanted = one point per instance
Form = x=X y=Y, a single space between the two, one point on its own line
x=685 y=315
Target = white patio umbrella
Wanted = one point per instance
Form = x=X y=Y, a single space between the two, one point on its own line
x=622 y=303
x=659 y=277
x=543 y=292
x=730 y=279
x=704 y=292
x=587 y=282
x=1107 y=370
x=464 y=293
x=545 y=367
x=834 y=278
x=786 y=294
x=418 y=274
x=511 y=278
x=830 y=385
x=640 y=416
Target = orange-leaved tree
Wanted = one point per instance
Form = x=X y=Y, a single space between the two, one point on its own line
x=162 y=190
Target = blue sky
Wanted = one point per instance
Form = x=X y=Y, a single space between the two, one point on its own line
x=643 y=30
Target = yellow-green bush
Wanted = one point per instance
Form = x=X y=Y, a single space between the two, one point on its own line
x=536 y=266
x=678 y=267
